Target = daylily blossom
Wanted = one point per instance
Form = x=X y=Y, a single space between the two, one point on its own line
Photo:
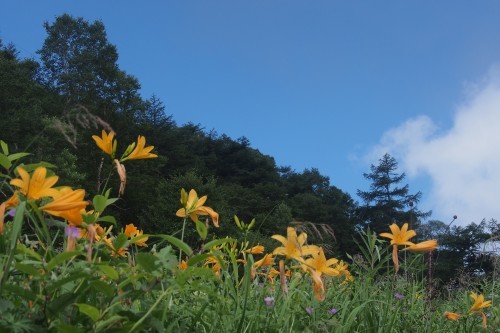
x=264 y=262
x=99 y=232
x=452 y=315
x=68 y=204
x=214 y=262
x=106 y=142
x=293 y=246
x=120 y=252
x=183 y=265
x=193 y=206
x=479 y=303
x=318 y=285
x=36 y=186
x=130 y=230
x=13 y=201
x=258 y=249
x=141 y=241
x=428 y=245
x=319 y=263
x=140 y=151
x=398 y=237
x=341 y=266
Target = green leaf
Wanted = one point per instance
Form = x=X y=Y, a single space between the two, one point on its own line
x=177 y=243
x=109 y=219
x=20 y=292
x=147 y=261
x=23 y=249
x=60 y=258
x=109 y=272
x=28 y=269
x=217 y=242
x=103 y=325
x=103 y=287
x=5 y=162
x=17 y=156
x=31 y=167
x=18 y=222
x=111 y=201
x=120 y=241
x=89 y=310
x=5 y=148
x=202 y=229
x=99 y=203
x=62 y=302
x=138 y=238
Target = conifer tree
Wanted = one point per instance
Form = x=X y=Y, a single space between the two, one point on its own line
x=388 y=201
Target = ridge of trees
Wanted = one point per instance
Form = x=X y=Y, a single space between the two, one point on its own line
x=51 y=108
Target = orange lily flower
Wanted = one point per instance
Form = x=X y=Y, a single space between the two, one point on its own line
x=13 y=201
x=183 y=265
x=120 y=252
x=398 y=237
x=106 y=142
x=193 y=206
x=264 y=262
x=293 y=246
x=140 y=151
x=142 y=241
x=341 y=266
x=318 y=286
x=428 y=245
x=68 y=204
x=258 y=249
x=319 y=263
x=36 y=186
x=479 y=303
x=130 y=230
x=452 y=315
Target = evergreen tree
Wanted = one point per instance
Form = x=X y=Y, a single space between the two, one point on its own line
x=388 y=201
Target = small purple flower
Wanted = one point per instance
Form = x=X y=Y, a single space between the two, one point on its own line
x=398 y=296
x=72 y=231
x=309 y=310
x=269 y=301
x=333 y=311
x=488 y=314
x=12 y=212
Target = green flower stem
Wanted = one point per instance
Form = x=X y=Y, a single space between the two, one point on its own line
x=182 y=237
x=137 y=323
x=42 y=230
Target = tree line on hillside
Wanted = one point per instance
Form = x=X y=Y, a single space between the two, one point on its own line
x=52 y=106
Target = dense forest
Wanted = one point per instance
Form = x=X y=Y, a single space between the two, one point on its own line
x=51 y=106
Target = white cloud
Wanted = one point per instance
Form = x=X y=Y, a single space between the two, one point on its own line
x=463 y=162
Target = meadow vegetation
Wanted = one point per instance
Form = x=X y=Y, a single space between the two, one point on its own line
x=113 y=218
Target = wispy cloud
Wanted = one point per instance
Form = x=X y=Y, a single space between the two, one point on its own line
x=463 y=162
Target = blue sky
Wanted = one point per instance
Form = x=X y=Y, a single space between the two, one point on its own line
x=325 y=84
